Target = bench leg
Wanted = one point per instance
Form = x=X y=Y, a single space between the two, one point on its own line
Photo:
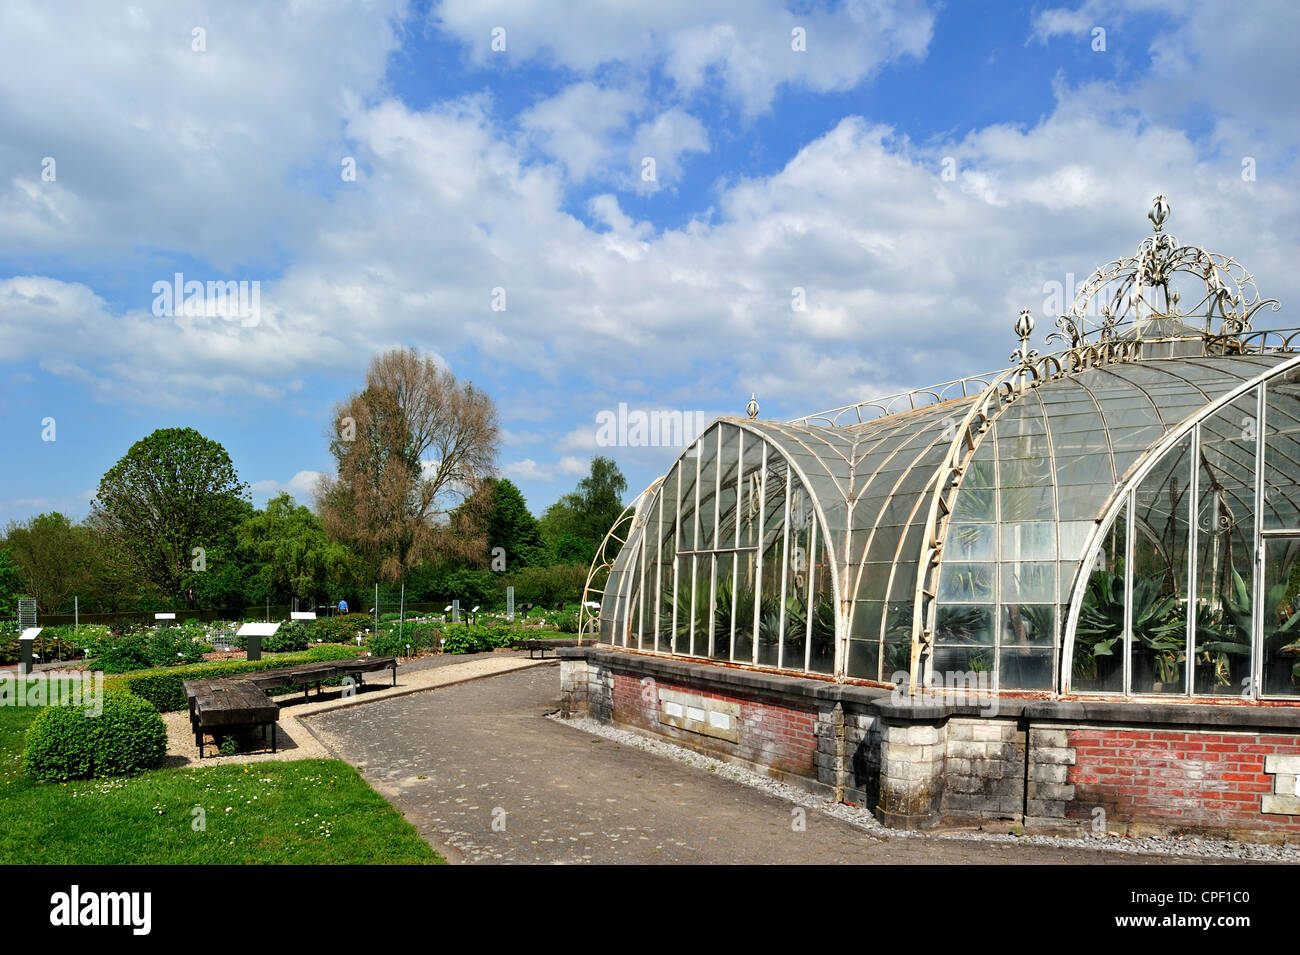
x=273 y=725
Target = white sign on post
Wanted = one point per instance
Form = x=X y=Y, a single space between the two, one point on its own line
x=257 y=629
x=164 y=616
x=303 y=615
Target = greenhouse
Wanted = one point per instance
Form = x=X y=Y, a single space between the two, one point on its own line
x=1062 y=588
x=1117 y=518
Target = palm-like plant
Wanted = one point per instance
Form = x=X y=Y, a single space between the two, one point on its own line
x=1158 y=625
x=1281 y=633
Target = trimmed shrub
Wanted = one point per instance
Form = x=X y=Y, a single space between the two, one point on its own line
x=567 y=623
x=163 y=687
x=64 y=742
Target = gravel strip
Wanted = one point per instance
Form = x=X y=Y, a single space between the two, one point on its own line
x=862 y=818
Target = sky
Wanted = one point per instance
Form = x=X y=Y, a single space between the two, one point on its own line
x=665 y=206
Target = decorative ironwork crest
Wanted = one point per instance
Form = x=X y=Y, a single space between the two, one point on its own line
x=1136 y=289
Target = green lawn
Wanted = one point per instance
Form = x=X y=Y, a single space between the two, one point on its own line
x=309 y=812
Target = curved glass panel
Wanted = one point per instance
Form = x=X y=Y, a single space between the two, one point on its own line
x=1042 y=476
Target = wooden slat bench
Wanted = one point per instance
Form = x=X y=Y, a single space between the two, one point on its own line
x=226 y=706
x=306 y=674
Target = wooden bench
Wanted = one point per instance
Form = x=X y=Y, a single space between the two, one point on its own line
x=232 y=703
x=306 y=674
x=227 y=706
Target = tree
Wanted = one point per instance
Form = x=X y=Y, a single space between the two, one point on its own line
x=172 y=500
x=290 y=553
x=113 y=581
x=498 y=513
x=408 y=447
x=50 y=553
x=10 y=585
x=575 y=525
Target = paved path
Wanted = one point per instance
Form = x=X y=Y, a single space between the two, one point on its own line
x=295 y=741
x=456 y=759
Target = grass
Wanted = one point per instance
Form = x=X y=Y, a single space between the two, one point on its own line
x=308 y=812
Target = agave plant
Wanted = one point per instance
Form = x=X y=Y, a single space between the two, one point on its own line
x=1281 y=634
x=959 y=624
x=1158 y=625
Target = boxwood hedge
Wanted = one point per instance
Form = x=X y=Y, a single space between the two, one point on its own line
x=162 y=687
x=67 y=742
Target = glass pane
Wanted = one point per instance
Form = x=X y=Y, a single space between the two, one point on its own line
x=1028 y=625
x=1160 y=573
x=1028 y=541
x=971 y=541
x=1281 y=676
x=1020 y=669
x=796 y=617
x=726 y=604
x=708 y=489
x=963 y=582
x=1029 y=582
x=949 y=661
x=896 y=651
x=1225 y=532
x=686 y=494
x=822 y=659
x=1282 y=451
x=1098 y=664
x=864 y=640
x=963 y=624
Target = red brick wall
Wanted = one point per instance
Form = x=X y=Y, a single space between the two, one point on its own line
x=773 y=733
x=1176 y=779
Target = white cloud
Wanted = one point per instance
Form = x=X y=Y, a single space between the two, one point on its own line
x=908 y=279
x=577 y=125
x=526 y=470
x=664 y=140
x=299 y=487
x=158 y=146
x=571 y=465
x=700 y=41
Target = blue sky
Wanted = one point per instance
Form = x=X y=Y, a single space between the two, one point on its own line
x=218 y=154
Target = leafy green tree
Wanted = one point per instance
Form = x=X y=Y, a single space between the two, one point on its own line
x=113 y=581
x=584 y=516
x=508 y=524
x=10 y=585
x=170 y=501
x=50 y=553
x=291 y=553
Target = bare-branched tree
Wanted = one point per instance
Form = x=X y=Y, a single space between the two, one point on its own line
x=409 y=447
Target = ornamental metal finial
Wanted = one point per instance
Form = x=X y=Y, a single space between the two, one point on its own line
x=1159 y=213
x=751 y=409
x=1024 y=328
x=1133 y=290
